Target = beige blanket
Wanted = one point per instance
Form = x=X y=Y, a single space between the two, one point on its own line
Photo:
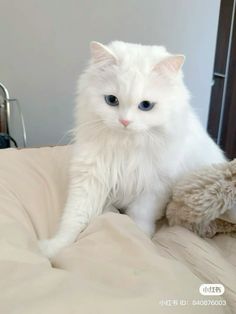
x=113 y=267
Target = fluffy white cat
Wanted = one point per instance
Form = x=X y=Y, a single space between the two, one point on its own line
x=135 y=135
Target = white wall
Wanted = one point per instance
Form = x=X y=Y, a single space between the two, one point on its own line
x=44 y=46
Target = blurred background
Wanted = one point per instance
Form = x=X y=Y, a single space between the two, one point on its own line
x=45 y=46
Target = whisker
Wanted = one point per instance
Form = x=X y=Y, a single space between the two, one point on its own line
x=90 y=122
x=67 y=133
x=152 y=137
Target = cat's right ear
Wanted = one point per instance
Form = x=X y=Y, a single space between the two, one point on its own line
x=100 y=53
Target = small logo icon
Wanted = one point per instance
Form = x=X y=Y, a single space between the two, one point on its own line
x=211 y=289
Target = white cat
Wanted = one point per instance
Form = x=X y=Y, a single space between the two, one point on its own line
x=135 y=135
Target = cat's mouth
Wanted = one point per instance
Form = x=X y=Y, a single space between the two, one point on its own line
x=128 y=131
x=121 y=128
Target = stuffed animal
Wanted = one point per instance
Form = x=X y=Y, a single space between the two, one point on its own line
x=205 y=201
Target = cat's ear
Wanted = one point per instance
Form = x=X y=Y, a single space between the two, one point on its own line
x=171 y=64
x=100 y=53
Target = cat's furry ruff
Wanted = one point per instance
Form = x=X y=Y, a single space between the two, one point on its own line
x=134 y=167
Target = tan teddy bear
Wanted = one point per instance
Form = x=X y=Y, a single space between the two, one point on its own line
x=205 y=200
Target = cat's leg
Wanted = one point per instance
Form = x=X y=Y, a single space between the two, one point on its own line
x=147 y=208
x=85 y=200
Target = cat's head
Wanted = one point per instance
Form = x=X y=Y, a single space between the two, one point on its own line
x=132 y=87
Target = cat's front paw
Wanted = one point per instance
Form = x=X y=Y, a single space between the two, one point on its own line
x=48 y=247
x=148 y=228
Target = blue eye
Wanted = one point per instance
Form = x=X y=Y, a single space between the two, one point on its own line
x=111 y=100
x=146 y=105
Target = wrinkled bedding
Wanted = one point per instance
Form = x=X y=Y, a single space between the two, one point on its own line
x=113 y=267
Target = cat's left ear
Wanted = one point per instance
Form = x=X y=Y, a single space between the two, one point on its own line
x=171 y=64
x=101 y=53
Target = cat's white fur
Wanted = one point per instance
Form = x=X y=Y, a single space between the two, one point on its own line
x=131 y=168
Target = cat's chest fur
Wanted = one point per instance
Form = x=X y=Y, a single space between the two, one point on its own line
x=132 y=171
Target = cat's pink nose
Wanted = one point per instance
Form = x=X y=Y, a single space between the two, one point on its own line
x=124 y=122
